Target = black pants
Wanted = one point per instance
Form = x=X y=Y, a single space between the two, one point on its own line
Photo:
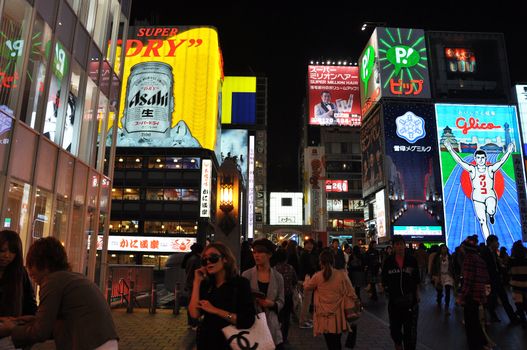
x=497 y=291
x=447 y=294
x=475 y=336
x=403 y=325
x=285 y=316
x=333 y=341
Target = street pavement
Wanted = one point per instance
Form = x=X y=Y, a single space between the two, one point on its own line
x=141 y=330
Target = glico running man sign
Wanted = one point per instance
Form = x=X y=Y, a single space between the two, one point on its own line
x=482 y=172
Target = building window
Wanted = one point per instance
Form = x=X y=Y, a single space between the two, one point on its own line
x=124 y=226
x=13 y=34
x=172 y=194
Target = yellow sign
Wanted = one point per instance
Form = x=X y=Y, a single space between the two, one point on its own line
x=171 y=85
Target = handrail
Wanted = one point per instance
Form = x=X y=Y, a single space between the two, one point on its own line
x=124 y=296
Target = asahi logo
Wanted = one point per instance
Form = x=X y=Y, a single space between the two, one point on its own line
x=149 y=100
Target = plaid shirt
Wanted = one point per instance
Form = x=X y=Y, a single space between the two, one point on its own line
x=475 y=277
x=290 y=279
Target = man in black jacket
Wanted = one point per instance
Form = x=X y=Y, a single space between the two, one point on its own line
x=308 y=267
x=400 y=278
x=490 y=257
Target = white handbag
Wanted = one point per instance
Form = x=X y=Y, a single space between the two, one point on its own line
x=258 y=337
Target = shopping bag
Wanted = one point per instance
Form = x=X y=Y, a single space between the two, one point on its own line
x=258 y=337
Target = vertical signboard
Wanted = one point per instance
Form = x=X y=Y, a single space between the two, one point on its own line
x=403 y=63
x=521 y=96
x=334 y=95
x=314 y=158
x=372 y=155
x=206 y=179
x=171 y=82
x=250 y=190
x=482 y=172
x=413 y=174
x=369 y=73
x=380 y=214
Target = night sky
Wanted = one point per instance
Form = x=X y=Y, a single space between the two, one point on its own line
x=278 y=39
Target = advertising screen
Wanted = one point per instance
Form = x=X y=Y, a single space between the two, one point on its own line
x=286 y=208
x=369 y=73
x=482 y=172
x=315 y=174
x=336 y=185
x=234 y=144
x=460 y=60
x=412 y=166
x=403 y=63
x=170 y=94
x=334 y=95
x=380 y=214
x=238 y=100
x=372 y=155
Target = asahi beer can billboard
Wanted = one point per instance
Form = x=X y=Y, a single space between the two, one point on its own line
x=171 y=96
x=482 y=172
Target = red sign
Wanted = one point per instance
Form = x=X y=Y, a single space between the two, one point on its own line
x=336 y=185
x=334 y=97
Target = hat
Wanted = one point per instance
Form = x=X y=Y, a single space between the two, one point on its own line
x=263 y=245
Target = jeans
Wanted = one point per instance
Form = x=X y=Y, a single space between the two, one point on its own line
x=403 y=325
x=285 y=316
x=473 y=326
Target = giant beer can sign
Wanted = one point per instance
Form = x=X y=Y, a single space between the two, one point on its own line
x=149 y=101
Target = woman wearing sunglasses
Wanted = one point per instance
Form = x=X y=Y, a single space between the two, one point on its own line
x=221 y=296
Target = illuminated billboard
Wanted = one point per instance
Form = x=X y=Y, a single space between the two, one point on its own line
x=412 y=167
x=380 y=214
x=394 y=64
x=234 y=145
x=469 y=66
x=206 y=185
x=170 y=93
x=238 y=100
x=482 y=172
x=286 y=208
x=147 y=244
x=336 y=185
x=314 y=176
x=334 y=97
x=372 y=155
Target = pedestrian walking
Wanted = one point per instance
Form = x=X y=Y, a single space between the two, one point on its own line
x=220 y=296
x=473 y=296
x=267 y=285
x=443 y=276
x=72 y=309
x=290 y=281
x=400 y=278
x=308 y=266
x=518 y=281
x=356 y=270
x=497 y=289
x=372 y=269
x=333 y=293
x=421 y=255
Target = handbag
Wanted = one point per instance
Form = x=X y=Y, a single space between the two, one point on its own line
x=352 y=306
x=351 y=339
x=258 y=337
x=297 y=302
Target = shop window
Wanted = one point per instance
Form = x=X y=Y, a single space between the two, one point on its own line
x=73 y=118
x=131 y=194
x=14 y=26
x=123 y=226
x=156 y=162
x=76 y=246
x=37 y=68
x=117 y=194
x=16 y=213
x=57 y=93
x=41 y=224
x=181 y=162
x=89 y=124
x=6 y=131
x=154 y=227
x=24 y=148
x=154 y=194
x=102 y=128
x=46 y=165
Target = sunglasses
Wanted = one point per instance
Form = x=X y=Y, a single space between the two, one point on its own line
x=213 y=258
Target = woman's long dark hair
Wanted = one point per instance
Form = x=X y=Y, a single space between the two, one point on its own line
x=327 y=260
x=13 y=278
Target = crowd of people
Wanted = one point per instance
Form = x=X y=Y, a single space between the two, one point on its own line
x=317 y=287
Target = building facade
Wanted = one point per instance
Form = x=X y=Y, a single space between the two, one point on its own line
x=61 y=77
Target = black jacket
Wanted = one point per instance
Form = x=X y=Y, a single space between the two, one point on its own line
x=308 y=263
x=399 y=283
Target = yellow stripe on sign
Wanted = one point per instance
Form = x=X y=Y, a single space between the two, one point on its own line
x=230 y=85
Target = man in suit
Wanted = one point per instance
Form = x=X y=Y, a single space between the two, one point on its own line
x=325 y=110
